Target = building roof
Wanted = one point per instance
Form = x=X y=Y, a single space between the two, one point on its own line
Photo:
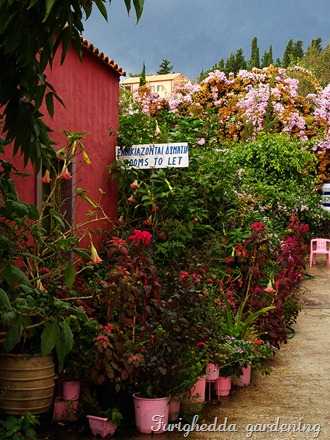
x=151 y=78
x=100 y=55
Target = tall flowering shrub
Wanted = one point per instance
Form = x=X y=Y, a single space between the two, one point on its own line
x=238 y=108
x=123 y=299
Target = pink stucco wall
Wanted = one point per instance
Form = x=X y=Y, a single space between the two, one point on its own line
x=90 y=91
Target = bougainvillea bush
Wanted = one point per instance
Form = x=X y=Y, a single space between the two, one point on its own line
x=225 y=109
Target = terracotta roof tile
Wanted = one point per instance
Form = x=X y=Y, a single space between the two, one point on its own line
x=100 y=55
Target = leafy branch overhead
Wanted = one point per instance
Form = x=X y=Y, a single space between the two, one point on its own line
x=31 y=32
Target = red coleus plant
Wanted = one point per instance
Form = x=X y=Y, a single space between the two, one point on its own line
x=128 y=291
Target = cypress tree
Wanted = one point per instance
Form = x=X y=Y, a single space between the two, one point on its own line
x=288 y=53
x=270 y=56
x=297 y=51
x=143 y=80
x=255 y=57
x=240 y=61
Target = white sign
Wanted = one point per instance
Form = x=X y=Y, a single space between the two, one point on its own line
x=155 y=155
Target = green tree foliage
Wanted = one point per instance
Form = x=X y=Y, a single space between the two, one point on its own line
x=143 y=80
x=165 y=67
x=280 y=176
x=255 y=57
x=317 y=60
x=31 y=32
x=293 y=53
x=286 y=60
x=267 y=58
x=298 y=51
x=235 y=63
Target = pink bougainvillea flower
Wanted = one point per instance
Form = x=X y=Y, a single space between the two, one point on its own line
x=134 y=185
x=46 y=177
x=141 y=237
x=65 y=174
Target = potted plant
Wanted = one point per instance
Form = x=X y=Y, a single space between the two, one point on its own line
x=106 y=422
x=36 y=326
x=35 y=270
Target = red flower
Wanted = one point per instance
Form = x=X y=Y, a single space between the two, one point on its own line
x=201 y=344
x=148 y=221
x=257 y=226
x=141 y=237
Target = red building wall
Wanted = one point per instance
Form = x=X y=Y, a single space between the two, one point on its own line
x=90 y=92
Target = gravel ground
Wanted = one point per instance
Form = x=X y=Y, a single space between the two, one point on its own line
x=292 y=403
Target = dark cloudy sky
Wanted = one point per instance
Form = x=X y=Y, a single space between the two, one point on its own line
x=195 y=34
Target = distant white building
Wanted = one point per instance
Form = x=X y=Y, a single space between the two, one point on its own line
x=163 y=85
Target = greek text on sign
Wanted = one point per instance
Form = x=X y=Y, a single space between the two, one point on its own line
x=155 y=155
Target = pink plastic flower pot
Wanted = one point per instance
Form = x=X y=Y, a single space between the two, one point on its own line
x=174 y=410
x=65 y=410
x=245 y=378
x=101 y=426
x=71 y=389
x=151 y=414
x=222 y=386
x=197 y=392
x=212 y=371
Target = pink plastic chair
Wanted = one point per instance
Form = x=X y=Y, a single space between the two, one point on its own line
x=319 y=246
